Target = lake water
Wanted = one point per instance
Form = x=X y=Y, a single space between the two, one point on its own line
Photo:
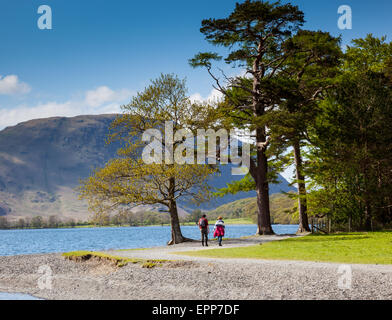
x=15 y=242
x=28 y=241
x=16 y=296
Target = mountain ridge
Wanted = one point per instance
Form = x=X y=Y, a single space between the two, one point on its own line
x=42 y=161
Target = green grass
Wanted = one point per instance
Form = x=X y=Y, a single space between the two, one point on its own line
x=366 y=248
x=238 y=221
x=117 y=260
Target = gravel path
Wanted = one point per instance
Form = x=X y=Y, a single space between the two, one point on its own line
x=168 y=252
x=191 y=278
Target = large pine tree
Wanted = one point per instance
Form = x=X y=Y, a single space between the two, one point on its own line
x=253 y=34
x=306 y=77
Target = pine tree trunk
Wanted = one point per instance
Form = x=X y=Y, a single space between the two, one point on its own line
x=260 y=173
x=262 y=188
x=302 y=203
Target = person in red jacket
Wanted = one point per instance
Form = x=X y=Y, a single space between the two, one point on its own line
x=203 y=226
x=219 y=230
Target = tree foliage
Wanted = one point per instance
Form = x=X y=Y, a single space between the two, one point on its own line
x=128 y=180
x=351 y=157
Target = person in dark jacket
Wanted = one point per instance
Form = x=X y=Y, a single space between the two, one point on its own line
x=219 y=230
x=203 y=226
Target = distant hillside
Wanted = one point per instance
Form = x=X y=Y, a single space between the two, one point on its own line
x=42 y=161
x=247 y=208
x=225 y=178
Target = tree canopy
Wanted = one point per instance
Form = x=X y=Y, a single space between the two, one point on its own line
x=128 y=180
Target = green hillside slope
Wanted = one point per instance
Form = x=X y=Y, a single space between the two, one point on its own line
x=281 y=208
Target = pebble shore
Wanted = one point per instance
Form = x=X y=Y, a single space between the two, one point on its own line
x=190 y=278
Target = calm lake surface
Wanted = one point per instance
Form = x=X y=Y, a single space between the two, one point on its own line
x=16 y=242
x=16 y=296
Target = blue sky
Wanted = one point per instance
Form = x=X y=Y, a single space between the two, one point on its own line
x=100 y=52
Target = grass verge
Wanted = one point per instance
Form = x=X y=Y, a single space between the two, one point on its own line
x=80 y=256
x=366 y=248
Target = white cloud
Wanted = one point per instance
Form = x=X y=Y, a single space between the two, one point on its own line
x=103 y=94
x=214 y=96
x=10 y=85
x=103 y=102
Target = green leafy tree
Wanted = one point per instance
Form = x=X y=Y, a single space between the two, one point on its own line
x=53 y=222
x=71 y=223
x=307 y=75
x=128 y=180
x=352 y=152
x=4 y=224
x=37 y=222
x=21 y=223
